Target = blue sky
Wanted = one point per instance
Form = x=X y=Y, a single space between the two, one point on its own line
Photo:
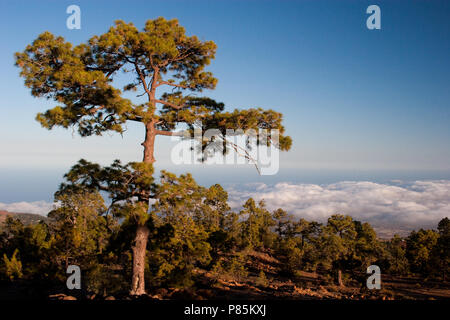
x=359 y=104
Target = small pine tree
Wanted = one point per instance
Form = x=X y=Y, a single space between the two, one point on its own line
x=262 y=280
x=237 y=267
x=13 y=266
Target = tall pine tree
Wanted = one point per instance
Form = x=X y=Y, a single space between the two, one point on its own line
x=166 y=65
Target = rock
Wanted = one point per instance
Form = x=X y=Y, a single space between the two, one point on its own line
x=61 y=296
x=56 y=296
x=162 y=292
x=185 y=294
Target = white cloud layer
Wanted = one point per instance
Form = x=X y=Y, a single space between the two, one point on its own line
x=38 y=207
x=391 y=208
x=394 y=207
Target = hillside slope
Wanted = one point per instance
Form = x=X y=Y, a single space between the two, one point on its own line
x=26 y=218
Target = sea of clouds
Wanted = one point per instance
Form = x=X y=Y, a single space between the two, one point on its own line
x=395 y=207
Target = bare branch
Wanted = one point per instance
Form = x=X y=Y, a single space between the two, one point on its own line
x=245 y=154
x=142 y=77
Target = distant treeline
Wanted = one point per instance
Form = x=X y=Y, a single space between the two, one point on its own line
x=192 y=227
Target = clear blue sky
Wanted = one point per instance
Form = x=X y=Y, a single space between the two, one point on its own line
x=357 y=102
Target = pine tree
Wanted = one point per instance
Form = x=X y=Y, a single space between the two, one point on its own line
x=256 y=228
x=80 y=79
x=337 y=243
x=419 y=248
x=79 y=226
x=396 y=256
x=441 y=252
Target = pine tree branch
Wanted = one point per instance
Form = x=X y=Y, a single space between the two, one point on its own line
x=169 y=133
x=160 y=83
x=172 y=105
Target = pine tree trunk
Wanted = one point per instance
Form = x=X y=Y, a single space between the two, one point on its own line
x=339 y=278
x=139 y=251
x=149 y=142
x=142 y=232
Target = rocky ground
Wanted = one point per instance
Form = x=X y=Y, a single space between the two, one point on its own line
x=309 y=286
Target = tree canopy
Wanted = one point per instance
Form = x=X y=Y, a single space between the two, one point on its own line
x=81 y=80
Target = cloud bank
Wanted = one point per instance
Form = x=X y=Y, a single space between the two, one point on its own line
x=389 y=207
x=397 y=207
